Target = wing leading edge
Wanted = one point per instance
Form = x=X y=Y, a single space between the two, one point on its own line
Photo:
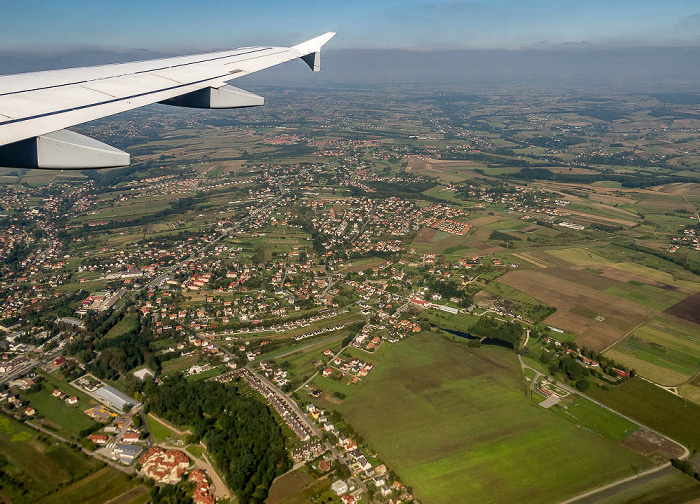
x=36 y=107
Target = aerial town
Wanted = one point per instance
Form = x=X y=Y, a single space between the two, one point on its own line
x=335 y=314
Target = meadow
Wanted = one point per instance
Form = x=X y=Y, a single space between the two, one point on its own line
x=593 y=418
x=38 y=466
x=654 y=407
x=69 y=420
x=472 y=434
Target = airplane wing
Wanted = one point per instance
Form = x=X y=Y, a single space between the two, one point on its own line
x=35 y=108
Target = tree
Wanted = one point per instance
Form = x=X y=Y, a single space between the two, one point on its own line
x=582 y=385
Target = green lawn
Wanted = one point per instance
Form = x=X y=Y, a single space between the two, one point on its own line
x=205 y=375
x=159 y=432
x=179 y=363
x=521 y=303
x=195 y=450
x=457 y=425
x=70 y=418
x=130 y=322
x=593 y=418
x=653 y=406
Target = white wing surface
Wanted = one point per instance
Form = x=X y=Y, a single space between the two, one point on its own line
x=35 y=108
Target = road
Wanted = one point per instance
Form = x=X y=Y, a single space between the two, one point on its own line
x=312 y=427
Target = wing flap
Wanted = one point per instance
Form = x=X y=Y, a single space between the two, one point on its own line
x=35 y=104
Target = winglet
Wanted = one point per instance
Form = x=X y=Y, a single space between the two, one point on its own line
x=311 y=50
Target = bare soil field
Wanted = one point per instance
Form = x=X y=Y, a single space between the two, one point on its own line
x=530 y=259
x=445 y=170
x=483 y=221
x=618 y=315
x=648 y=443
x=425 y=235
x=688 y=309
x=600 y=218
x=584 y=276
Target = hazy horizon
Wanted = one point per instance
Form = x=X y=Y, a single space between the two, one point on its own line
x=566 y=65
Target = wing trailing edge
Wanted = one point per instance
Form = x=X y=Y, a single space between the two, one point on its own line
x=36 y=108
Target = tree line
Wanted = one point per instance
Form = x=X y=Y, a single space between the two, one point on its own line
x=240 y=432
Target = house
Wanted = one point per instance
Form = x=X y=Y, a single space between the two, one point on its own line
x=98 y=438
x=131 y=437
x=339 y=487
x=347 y=499
x=364 y=465
x=202 y=492
x=30 y=411
x=72 y=400
x=327 y=372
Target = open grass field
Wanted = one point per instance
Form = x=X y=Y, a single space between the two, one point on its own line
x=205 y=375
x=40 y=466
x=664 y=349
x=196 y=450
x=99 y=487
x=179 y=363
x=647 y=295
x=593 y=418
x=161 y=433
x=472 y=434
x=71 y=419
x=287 y=486
x=286 y=490
x=654 y=407
x=130 y=322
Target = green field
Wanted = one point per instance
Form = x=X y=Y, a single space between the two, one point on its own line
x=68 y=418
x=130 y=322
x=179 y=363
x=205 y=375
x=472 y=435
x=195 y=450
x=593 y=418
x=159 y=432
x=664 y=349
x=37 y=466
x=653 y=406
x=655 y=298
x=99 y=487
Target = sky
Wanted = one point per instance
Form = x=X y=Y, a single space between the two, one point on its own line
x=177 y=26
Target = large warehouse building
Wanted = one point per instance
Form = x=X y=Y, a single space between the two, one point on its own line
x=112 y=397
